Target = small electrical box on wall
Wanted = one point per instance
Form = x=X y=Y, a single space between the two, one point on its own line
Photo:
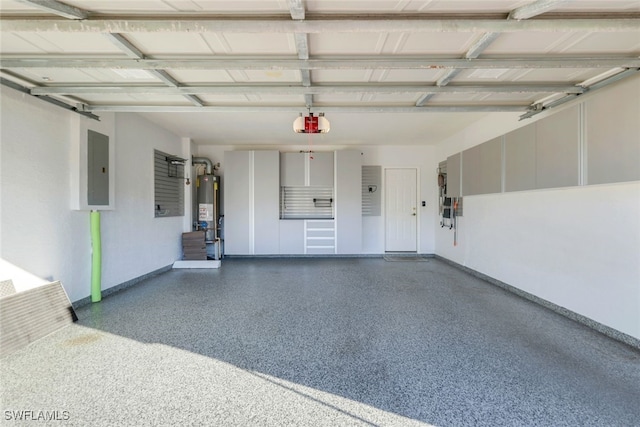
x=97 y=169
x=93 y=179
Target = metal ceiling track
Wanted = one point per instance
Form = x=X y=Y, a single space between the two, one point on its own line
x=313 y=25
x=539 y=108
x=279 y=63
x=298 y=108
x=300 y=90
x=56 y=102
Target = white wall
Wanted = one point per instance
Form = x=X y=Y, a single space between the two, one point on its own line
x=42 y=235
x=396 y=156
x=577 y=247
x=134 y=242
x=40 y=232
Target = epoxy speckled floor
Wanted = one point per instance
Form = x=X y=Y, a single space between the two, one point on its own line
x=306 y=342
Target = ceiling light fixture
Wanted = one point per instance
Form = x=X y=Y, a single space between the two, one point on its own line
x=311 y=124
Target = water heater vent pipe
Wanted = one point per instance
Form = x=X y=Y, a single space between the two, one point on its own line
x=203 y=161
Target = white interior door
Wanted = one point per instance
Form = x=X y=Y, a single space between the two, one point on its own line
x=401 y=210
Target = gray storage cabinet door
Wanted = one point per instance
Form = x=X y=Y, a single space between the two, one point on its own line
x=237 y=202
x=321 y=170
x=292 y=169
x=348 y=202
x=266 y=193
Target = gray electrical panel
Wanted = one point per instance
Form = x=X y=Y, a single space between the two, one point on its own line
x=98 y=169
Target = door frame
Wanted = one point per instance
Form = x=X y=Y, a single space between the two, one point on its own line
x=384 y=205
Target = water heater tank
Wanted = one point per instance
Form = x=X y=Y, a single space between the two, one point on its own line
x=208 y=205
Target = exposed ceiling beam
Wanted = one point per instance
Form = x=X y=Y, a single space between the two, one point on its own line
x=389 y=62
x=348 y=25
x=195 y=100
x=536 y=8
x=298 y=12
x=472 y=53
x=298 y=90
x=132 y=51
x=302 y=45
x=524 y=12
x=299 y=108
x=125 y=45
x=57 y=8
x=164 y=77
x=297 y=9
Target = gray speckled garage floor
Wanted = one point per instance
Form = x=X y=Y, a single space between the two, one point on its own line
x=306 y=342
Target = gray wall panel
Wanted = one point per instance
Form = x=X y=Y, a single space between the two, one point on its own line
x=454 y=170
x=613 y=134
x=558 y=149
x=520 y=159
x=491 y=166
x=471 y=173
x=481 y=168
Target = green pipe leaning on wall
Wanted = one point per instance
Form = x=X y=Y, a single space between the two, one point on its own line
x=96 y=258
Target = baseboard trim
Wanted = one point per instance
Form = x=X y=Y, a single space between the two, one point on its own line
x=597 y=326
x=122 y=286
x=382 y=255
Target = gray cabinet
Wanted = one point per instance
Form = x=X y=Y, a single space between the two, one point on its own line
x=348 y=202
x=321 y=169
x=292 y=169
x=236 y=189
x=301 y=169
x=251 y=211
x=266 y=208
x=292 y=238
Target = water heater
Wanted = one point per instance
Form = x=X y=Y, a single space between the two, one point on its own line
x=208 y=196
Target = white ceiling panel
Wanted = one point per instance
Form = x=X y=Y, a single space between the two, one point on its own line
x=439 y=43
x=157 y=44
x=422 y=76
x=404 y=6
x=135 y=99
x=569 y=75
x=538 y=42
x=533 y=43
x=347 y=43
x=77 y=60
x=469 y=6
x=201 y=76
x=48 y=76
x=343 y=76
x=605 y=42
x=225 y=6
x=260 y=44
x=57 y=43
x=600 y=6
x=273 y=76
x=253 y=99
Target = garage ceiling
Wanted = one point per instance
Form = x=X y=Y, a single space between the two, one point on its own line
x=383 y=71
